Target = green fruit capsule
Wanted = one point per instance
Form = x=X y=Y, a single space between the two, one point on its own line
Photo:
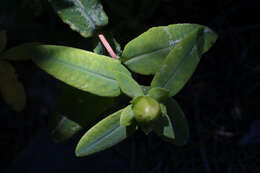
x=146 y=109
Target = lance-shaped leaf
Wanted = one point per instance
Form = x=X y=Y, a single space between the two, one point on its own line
x=79 y=68
x=74 y=111
x=180 y=63
x=82 y=16
x=163 y=125
x=146 y=53
x=11 y=89
x=128 y=85
x=179 y=122
x=127 y=116
x=3 y=40
x=159 y=94
x=19 y=53
x=103 y=135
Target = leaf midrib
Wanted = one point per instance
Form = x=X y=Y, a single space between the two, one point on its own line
x=143 y=55
x=86 y=16
x=174 y=73
x=80 y=68
x=102 y=137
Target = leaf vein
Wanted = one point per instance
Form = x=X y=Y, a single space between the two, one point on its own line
x=81 y=10
x=140 y=56
x=77 y=67
x=104 y=136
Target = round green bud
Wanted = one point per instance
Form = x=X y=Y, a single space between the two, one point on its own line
x=146 y=109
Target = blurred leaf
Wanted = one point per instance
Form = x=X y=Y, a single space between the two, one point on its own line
x=19 y=53
x=74 y=111
x=182 y=61
x=11 y=89
x=82 y=69
x=128 y=85
x=178 y=121
x=83 y=16
x=159 y=94
x=127 y=116
x=103 y=135
x=146 y=53
x=3 y=40
x=61 y=127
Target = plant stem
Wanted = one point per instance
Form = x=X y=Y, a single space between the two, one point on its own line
x=107 y=46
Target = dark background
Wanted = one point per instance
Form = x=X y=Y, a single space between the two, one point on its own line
x=221 y=101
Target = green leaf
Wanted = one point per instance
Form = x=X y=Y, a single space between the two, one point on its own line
x=61 y=127
x=180 y=63
x=128 y=85
x=127 y=116
x=103 y=135
x=178 y=121
x=82 y=16
x=3 y=40
x=19 y=53
x=163 y=126
x=146 y=53
x=79 y=68
x=159 y=94
x=74 y=111
x=145 y=89
x=11 y=89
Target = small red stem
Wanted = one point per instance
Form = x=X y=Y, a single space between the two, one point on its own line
x=107 y=46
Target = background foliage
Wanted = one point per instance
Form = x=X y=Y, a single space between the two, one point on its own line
x=220 y=101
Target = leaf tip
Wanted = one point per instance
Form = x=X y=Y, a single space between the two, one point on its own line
x=79 y=152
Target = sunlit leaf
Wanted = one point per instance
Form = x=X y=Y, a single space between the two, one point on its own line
x=159 y=94
x=146 y=53
x=79 y=68
x=103 y=135
x=128 y=85
x=127 y=116
x=181 y=62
